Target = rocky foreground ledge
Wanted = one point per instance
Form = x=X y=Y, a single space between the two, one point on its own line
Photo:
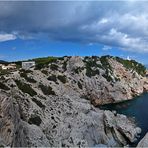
x=61 y=122
x=143 y=142
x=54 y=104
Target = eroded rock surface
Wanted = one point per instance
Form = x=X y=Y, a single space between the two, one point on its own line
x=143 y=142
x=61 y=122
x=52 y=105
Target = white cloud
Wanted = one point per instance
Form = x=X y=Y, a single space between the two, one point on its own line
x=7 y=37
x=107 y=23
x=105 y=48
x=103 y=21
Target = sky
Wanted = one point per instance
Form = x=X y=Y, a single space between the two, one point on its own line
x=30 y=29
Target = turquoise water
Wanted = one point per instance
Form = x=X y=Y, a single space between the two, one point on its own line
x=137 y=108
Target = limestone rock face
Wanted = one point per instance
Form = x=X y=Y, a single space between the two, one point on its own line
x=121 y=126
x=54 y=105
x=101 y=80
x=61 y=121
x=143 y=142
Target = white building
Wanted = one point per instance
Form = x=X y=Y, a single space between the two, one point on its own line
x=28 y=65
x=10 y=66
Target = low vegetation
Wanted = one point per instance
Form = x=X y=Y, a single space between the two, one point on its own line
x=43 y=62
x=44 y=72
x=25 y=88
x=133 y=65
x=80 y=85
x=38 y=103
x=4 y=87
x=35 y=119
x=62 y=78
x=4 y=72
x=105 y=63
x=78 y=69
x=64 y=65
x=92 y=68
x=53 y=78
x=28 y=79
x=47 y=90
x=107 y=67
x=54 y=67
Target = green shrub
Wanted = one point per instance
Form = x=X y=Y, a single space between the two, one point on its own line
x=53 y=78
x=31 y=80
x=38 y=103
x=35 y=119
x=43 y=62
x=26 y=71
x=45 y=72
x=2 y=78
x=18 y=64
x=47 y=90
x=90 y=72
x=4 y=72
x=105 y=63
x=133 y=65
x=4 y=87
x=25 y=88
x=91 y=66
x=62 y=78
x=107 y=67
x=64 y=65
x=107 y=77
x=54 y=67
x=80 y=85
x=90 y=62
x=24 y=75
x=78 y=69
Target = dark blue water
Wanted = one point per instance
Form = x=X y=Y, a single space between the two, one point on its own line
x=137 y=108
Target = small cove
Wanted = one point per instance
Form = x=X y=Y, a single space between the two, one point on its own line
x=137 y=108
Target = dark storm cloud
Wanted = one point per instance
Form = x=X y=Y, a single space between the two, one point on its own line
x=120 y=24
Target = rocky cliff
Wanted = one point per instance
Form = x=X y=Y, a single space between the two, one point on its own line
x=51 y=104
x=143 y=142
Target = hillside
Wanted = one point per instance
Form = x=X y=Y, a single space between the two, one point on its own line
x=54 y=104
x=3 y=62
x=100 y=80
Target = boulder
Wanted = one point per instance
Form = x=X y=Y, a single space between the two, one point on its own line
x=143 y=142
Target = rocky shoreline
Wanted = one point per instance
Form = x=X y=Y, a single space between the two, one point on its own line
x=63 y=122
x=54 y=104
